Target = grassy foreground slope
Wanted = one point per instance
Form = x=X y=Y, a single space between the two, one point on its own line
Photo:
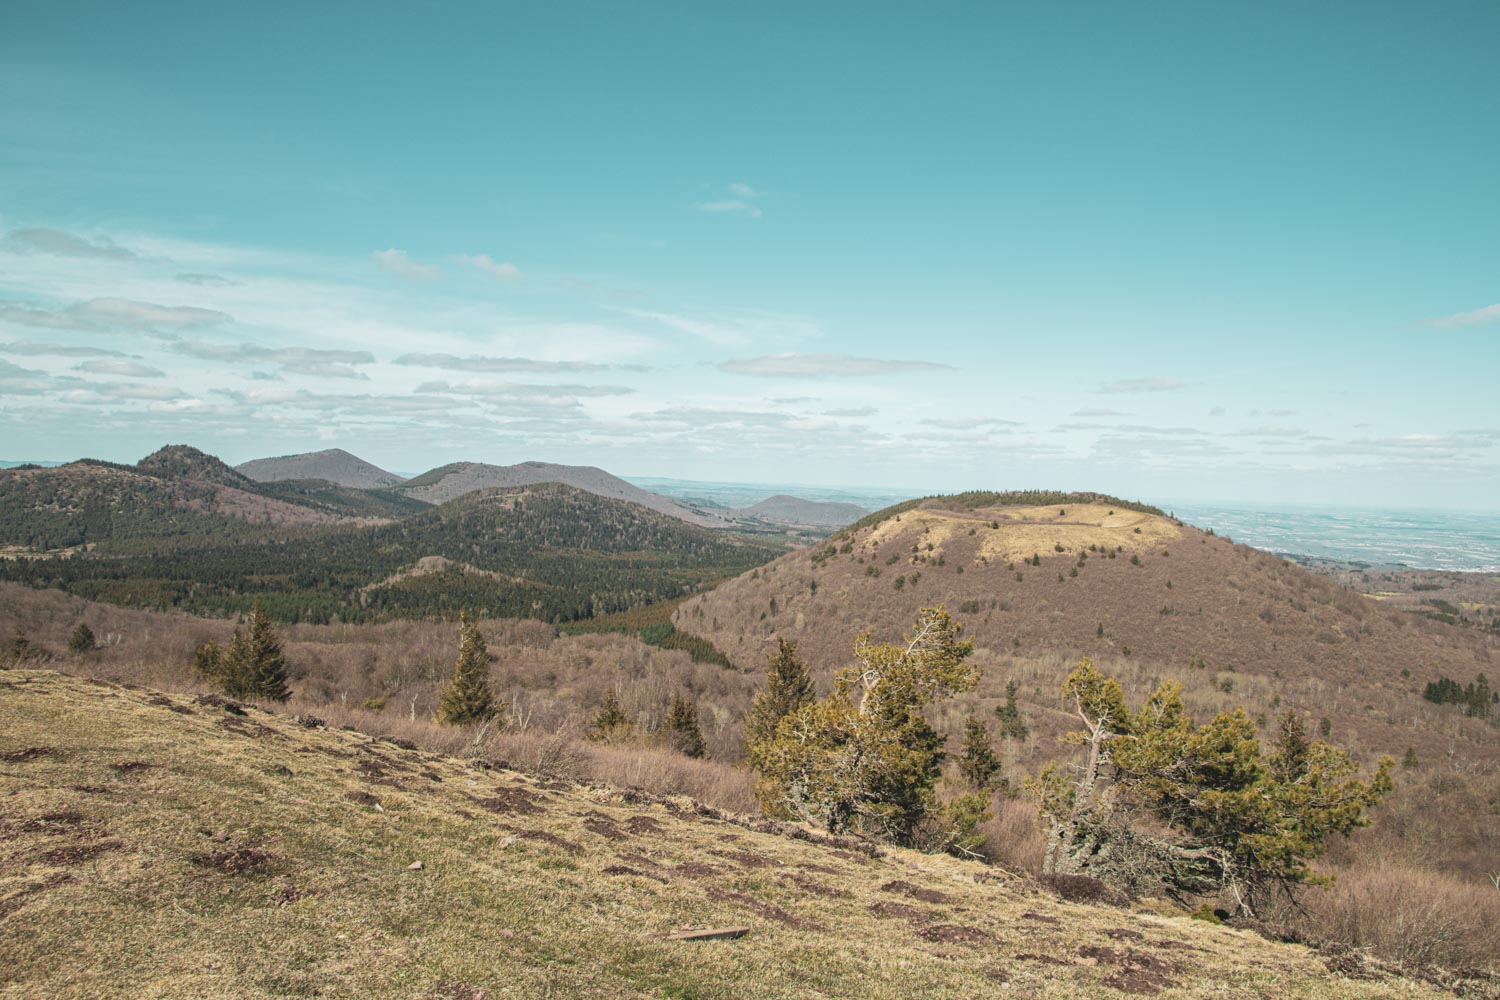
x=155 y=845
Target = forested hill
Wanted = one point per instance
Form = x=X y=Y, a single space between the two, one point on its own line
x=548 y=551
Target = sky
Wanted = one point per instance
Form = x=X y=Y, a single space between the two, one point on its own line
x=1238 y=252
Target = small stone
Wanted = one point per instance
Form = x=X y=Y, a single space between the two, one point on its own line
x=415 y=866
x=507 y=841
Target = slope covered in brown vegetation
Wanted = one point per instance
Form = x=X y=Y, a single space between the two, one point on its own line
x=173 y=846
x=1080 y=580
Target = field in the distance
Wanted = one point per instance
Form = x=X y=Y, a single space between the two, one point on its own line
x=165 y=846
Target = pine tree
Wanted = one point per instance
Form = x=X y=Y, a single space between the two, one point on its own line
x=788 y=688
x=978 y=763
x=1012 y=726
x=468 y=699
x=82 y=639
x=682 y=728
x=258 y=666
x=865 y=756
x=611 y=723
x=209 y=661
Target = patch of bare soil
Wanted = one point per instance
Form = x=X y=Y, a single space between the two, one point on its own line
x=639 y=825
x=1082 y=889
x=511 y=800
x=29 y=753
x=952 y=934
x=1123 y=934
x=363 y=798
x=219 y=701
x=1137 y=971
x=916 y=892
x=813 y=866
x=447 y=990
x=746 y=859
x=602 y=826
x=76 y=854
x=697 y=869
x=901 y=911
x=1040 y=917
x=235 y=861
x=634 y=872
x=53 y=822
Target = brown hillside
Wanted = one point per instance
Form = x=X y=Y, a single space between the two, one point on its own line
x=1112 y=583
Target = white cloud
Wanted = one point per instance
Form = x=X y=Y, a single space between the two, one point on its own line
x=522 y=389
x=146 y=315
x=397 y=262
x=1476 y=317
x=484 y=262
x=968 y=423
x=1098 y=411
x=61 y=244
x=822 y=366
x=482 y=363
x=1155 y=384
x=57 y=350
x=277 y=355
x=742 y=190
x=129 y=369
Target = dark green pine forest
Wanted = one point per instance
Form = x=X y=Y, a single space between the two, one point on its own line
x=548 y=551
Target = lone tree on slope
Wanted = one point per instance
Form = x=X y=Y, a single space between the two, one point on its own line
x=468 y=698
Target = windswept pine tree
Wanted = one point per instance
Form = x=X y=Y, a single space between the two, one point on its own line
x=1012 y=726
x=682 y=728
x=788 y=688
x=468 y=698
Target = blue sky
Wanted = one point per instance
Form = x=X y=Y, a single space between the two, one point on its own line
x=1184 y=250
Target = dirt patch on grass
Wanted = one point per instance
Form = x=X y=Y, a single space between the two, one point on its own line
x=1040 y=918
x=456 y=991
x=697 y=869
x=30 y=753
x=813 y=866
x=1082 y=889
x=235 y=861
x=643 y=825
x=953 y=934
x=602 y=826
x=887 y=910
x=53 y=822
x=77 y=854
x=511 y=800
x=746 y=859
x=1122 y=934
x=916 y=892
x=1136 y=972
x=219 y=701
x=363 y=798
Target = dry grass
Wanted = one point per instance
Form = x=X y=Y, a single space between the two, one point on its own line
x=154 y=846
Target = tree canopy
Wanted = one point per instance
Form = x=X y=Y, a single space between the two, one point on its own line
x=1243 y=821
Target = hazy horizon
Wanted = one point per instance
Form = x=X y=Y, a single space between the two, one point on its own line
x=1242 y=255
